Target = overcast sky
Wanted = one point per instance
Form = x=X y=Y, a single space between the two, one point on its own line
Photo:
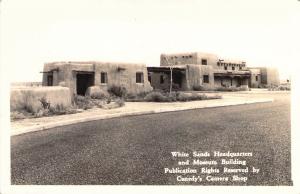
x=261 y=32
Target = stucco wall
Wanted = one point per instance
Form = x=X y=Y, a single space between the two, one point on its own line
x=195 y=75
x=156 y=80
x=272 y=76
x=188 y=58
x=55 y=95
x=266 y=76
x=123 y=75
x=253 y=82
x=212 y=59
x=178 y=59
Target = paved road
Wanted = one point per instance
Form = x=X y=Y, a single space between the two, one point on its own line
x=135 y=150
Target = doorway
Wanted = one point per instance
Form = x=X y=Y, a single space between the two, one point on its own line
x=177 y=79
x=83 y=81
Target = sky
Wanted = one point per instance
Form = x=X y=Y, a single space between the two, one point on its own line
x=261 y=32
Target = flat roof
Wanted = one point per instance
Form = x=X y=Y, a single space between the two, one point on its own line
x=166 y=68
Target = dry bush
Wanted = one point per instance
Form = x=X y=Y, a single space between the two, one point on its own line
x=118 y=91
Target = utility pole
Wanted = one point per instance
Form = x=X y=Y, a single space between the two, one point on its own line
x=171 y=75
x=171 y=84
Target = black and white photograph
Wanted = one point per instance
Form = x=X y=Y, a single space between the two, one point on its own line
x=169 y=96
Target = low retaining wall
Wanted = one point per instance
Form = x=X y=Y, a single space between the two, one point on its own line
x=21 y=98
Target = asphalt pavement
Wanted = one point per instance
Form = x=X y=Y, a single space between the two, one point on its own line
x=135 y=150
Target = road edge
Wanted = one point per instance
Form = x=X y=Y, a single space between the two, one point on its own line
x=116 y=115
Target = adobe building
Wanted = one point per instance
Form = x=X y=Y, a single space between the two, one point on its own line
x=194 y=69
x=78 y=76
x=189 y=71
x=264 y=76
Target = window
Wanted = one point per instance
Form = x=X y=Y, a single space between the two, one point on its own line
x=204 y=61
x=50 y=80
x=103 y=78
x=256 y=78
x=139 y=77
x=162 y=80
x=240 y=67
x=225 y=67
x=205 y=79
x=233 y=68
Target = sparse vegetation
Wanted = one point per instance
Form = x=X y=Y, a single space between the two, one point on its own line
x=262 y=86
x=131 y=97
x=95 y=92
x=86 y=102
x=202 y=88
x=100 y=95
x=44 y=102
x=33 y=107
x=16 y=115
x=231 y=89
x=118 y=91
x=177 y=96
x=283 y=87
x=198 y=88
x=83 y=102
x=220 y=89
x=155 y=97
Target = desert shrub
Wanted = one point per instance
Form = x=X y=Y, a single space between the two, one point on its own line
x=15 y=115
x=155 y=97
x=263 y=86
x=182 y=97
x=95 y=92
x=171 y=97
x=45 y=104
x=287 y=88
x=279 y=88
x=42 y=113
x=198 y=88
x=231 y=89
x=196 y=96
x=118 y=91
x=177 y=96
x=100 y=95
x=132 y=97
x=58 y=109
x=116 y=104
x=83 y=102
